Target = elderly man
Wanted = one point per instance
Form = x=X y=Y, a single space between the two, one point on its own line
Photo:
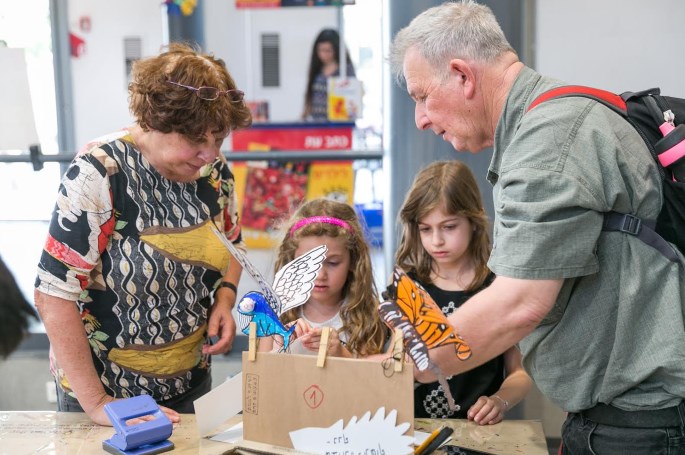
x=598 y=314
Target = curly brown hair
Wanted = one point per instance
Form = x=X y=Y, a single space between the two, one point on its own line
x=361 y=321
x=167 y=108
x=449 y=185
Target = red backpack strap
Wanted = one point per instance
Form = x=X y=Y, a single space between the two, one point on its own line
x=609 y=99
x=613 y=221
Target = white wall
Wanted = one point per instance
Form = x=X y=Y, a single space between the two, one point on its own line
x=617 y=45
x=614 y=44
x=99 y=82
x=99 y=79
x=234 y=35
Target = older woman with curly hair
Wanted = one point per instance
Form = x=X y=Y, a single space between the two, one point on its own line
x=132 y=282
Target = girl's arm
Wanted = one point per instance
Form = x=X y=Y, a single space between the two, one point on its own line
x=266 y=344
x=336 y=348
x=516 y=385
x=274 y=343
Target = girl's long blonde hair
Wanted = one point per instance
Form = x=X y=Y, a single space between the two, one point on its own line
x=449 y=185
x=366 y=333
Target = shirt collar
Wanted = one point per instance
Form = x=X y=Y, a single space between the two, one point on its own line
x=518 y=99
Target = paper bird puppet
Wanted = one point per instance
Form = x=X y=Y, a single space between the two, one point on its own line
x=291 y=288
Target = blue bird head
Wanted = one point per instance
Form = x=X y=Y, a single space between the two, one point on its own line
x=252 y=303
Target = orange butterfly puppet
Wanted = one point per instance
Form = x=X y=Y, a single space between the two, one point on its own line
x=408 y=307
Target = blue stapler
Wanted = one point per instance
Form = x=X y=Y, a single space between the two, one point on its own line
x=145 y=438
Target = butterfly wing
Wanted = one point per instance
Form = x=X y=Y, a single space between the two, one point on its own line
x=425 y=315
x=269 y=294
x=395 y=318
x=295 y=280
x=409 y=308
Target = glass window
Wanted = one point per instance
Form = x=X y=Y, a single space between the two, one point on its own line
x=28 y=196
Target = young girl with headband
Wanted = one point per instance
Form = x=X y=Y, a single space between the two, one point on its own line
x=344 y=295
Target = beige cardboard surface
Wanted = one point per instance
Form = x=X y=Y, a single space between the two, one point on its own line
x=286 y=392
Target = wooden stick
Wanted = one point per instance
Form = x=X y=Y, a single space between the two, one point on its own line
x=398 y=349
x=252 y=343
x=323 y=347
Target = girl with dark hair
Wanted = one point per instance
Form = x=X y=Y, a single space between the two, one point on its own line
x=445 y=247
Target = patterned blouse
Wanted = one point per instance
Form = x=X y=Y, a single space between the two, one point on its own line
x=137 y=254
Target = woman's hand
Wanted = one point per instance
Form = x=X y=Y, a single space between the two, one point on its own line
x=221 y=324
x=487 y=410
x=99 y=416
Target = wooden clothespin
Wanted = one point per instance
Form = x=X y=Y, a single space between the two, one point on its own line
x=398 y=349
x=323 y=347
x=252 y=342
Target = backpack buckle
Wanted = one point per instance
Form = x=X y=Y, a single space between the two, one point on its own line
x=631 y=224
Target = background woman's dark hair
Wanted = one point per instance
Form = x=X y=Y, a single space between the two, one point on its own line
x=167 y=108
x=327 y=35
x=15 y=313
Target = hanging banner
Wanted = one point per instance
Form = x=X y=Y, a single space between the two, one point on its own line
x=257 y=3
x=294 y=136
x=287 y=3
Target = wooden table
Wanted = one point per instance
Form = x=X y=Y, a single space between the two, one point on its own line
x=73 y=433
x=68 y=433
x=509 y=437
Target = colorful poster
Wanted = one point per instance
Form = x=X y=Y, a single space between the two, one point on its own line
x=272 y=194
x=268 y=192
x=344 y=99
x=333 y=179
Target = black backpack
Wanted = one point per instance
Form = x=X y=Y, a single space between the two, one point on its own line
x=660 y=120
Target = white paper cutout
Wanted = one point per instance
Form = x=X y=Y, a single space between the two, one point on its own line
x=292 y=285
x=231 y=435
x=373 y=436
x=219 y=404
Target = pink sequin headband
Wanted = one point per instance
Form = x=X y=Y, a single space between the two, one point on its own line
x=320 y=219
